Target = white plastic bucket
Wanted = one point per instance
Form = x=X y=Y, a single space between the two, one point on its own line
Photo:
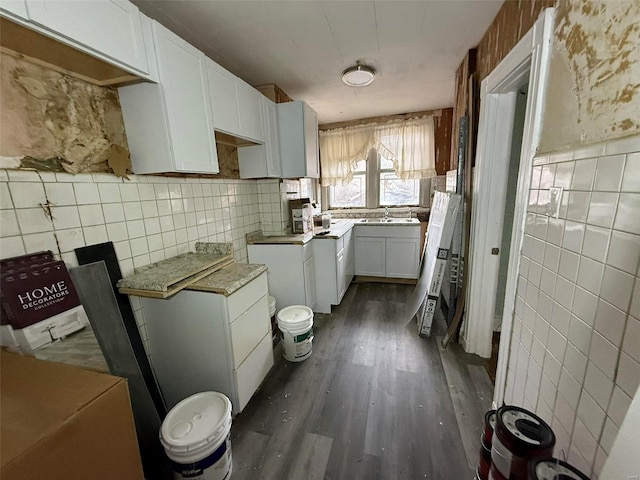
x=272 y=306
x=296 y=327
x=196 y=436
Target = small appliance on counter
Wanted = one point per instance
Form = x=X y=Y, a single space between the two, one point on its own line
x=301 y=215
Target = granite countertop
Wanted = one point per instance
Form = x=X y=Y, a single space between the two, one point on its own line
x=298 y=239
x=338 y=229
x=228 y=279
x=167 y=277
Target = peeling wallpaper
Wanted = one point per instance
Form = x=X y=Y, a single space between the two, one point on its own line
x=55 y=122
x=594 y=77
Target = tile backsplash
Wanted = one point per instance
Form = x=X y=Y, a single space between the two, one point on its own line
x=575 y=349
x=148 y=218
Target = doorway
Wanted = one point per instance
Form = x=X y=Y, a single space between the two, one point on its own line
x=507 y=222
x=526 y=64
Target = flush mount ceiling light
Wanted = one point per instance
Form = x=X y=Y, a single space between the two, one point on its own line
x=358 y=76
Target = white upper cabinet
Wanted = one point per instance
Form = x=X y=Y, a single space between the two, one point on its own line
x=262 y=161
x=107 y=29
x=298 y=126
x=222 y=88
x=14 y=9
x=250 y=111
x=237 y=106
x=170 y=125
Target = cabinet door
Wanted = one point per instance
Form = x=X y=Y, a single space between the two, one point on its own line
x=309 y=283
x=298 y=126
x=270 y=120
x=181 y=68
x=402 y=257
x=341 y=268
x=107 y=28
x=224 y=103
x=312 y=154
x=370 y=256
x=250 y=374
x=261 y=161
x=249 y=111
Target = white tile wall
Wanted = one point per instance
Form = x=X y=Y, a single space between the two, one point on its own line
x=148 y=218
x=589 y=259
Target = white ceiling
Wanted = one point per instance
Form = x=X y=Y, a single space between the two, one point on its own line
x=304 y=45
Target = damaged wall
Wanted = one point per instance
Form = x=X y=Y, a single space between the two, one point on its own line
x=55 y=122
x=594 y=76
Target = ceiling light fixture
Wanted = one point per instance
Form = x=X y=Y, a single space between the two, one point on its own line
x=358 y=76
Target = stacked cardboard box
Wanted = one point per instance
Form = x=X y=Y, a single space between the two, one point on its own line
x=60 y=422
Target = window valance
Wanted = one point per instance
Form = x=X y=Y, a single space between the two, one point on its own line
x=408 y=144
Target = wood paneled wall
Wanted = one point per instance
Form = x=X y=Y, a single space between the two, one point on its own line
x=512 y=22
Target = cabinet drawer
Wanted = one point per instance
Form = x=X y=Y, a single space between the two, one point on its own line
x=238 y=302
x=339 y=244
x=248 y=329
x=253 y=370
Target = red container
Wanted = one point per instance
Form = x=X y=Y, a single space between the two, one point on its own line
x=489 y=425
x=519 y=437
x=485 y=459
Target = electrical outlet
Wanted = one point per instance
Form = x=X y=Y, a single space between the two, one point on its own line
x=555 y=198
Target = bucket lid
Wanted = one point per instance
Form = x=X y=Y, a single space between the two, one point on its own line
x=554 y=469
x=195 y=421
x=524 y=428
x=295 y=313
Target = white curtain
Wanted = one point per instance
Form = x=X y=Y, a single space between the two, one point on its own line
x=408 y=144
x=341 y=149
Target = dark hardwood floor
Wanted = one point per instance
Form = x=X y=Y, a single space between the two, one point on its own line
x=374 y=401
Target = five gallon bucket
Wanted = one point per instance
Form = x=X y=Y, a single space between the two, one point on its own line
x=519 y=436
x=296 y=327
x=196 y=437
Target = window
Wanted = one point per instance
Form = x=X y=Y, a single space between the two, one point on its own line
x=394 y=191
x=354 y=194
x=385 y=163
x=386 y=189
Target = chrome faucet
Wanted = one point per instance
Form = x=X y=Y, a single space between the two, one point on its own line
x=410 y=213
x=386 y=212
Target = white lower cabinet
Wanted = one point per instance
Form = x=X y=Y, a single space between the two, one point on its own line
x=290 y=272
x=334 y=268
x=387 y=251
x=370 y=256
x=201 y=341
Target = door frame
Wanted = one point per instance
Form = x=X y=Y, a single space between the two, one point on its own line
x=529 y=59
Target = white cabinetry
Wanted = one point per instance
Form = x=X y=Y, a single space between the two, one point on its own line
x=290 y=272
x=262 y=161
x=169 y=125
x=203 y=341
x=249 y=111
x=222 y=88
x=387 y=251
x=370 y=256
x=298 y=126
x=107 y=29
x=334 y=263
x=402 y=257
x=237 y=106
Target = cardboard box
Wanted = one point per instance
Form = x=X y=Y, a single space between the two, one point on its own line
x=61 y=422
